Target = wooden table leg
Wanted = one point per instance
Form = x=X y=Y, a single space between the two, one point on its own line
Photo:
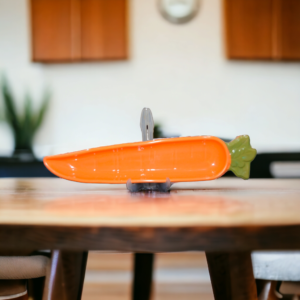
x=232 y=276
x=65 y=277
x=142 y=281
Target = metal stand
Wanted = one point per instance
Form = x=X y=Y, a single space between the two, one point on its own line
x=148 y=187
x=143 y=262
x=147 y=128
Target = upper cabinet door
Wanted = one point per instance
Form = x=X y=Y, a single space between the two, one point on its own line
x=51 y=30
x=262 y=29
x=75 y=30
x=115 y=29
x=287 y=29
x=92 y=29
x=248 y=28
x=104 y=29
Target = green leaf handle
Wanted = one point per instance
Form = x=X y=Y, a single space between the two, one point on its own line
x=242 y=154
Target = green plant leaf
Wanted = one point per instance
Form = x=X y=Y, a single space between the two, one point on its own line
x=27 y=122
x=41 y=113
x=9 y=105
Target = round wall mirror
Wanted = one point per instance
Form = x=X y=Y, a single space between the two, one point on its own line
x=178 y=11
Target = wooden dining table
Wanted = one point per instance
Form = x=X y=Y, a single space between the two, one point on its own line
x=226 y=218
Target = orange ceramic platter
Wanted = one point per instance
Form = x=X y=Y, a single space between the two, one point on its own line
x=177 y=159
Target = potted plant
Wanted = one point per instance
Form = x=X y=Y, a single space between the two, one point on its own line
x=25 y=123
x=158 y=132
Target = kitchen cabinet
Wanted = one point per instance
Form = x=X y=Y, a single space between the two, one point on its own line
x=262 y=29
x=78 y=30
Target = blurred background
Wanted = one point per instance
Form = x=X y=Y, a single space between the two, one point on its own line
x=180 y=71
x=76 y=74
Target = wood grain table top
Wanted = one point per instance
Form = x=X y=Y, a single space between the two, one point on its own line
x=229 y=214
x=223 y=202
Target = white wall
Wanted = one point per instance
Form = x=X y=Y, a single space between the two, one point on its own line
x=180 y=72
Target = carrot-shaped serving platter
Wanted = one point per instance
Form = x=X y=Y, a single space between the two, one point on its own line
x=178 y=159
x=156 y=161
